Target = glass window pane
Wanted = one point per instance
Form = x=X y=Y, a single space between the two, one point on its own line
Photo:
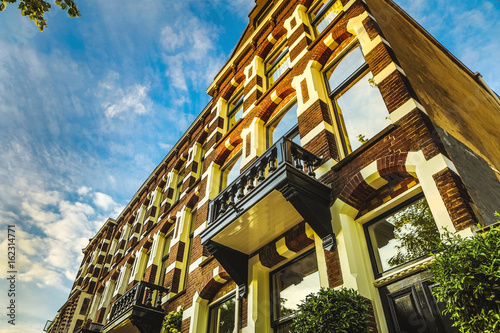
x=231 y=173
x=405 y=235
x=278 y=69
x=285 y=124
x=293 y=283
x=222 y=317
x=328 y=16
x=235 y=111
x=345 y=68
x=363 y=111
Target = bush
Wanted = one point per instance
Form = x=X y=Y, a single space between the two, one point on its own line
x=172 y=322
x=468 y=275
x=332 y=311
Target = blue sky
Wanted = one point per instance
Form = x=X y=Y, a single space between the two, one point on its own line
x=90 y=106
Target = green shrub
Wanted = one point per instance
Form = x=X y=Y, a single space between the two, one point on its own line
x=332 y=311
x=172 y=322
x=468 y=275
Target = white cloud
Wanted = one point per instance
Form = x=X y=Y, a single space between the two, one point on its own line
x=133 y=99
x=104 y=201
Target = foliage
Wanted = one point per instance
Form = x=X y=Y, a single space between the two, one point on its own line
x=36 y=9
x=415 y=231
x=172 y=322
x=467 y=272
x=332 y=311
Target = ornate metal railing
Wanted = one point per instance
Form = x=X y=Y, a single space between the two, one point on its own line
x=141 y=294
x=274 y=158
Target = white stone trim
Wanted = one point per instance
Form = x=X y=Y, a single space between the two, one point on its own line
x=388 y=70
x=404 y=109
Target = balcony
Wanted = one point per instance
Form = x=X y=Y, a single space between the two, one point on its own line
x=276 y=192
x=141 y=307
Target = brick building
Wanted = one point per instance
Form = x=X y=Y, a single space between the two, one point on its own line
x=340 y=141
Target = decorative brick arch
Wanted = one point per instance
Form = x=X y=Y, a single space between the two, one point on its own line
x=226 y=150
x=213 y=285
x=272 y=103
x=372 y=177
x=266 y=45
x=323 y=52
x=235 y=83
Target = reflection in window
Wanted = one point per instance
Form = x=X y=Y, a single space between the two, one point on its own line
x=290 y=285
x=287 y=125
x=222 y=317
x=324 y=14
x=231 y=172
x=235 y=110
x=277 y=65
x=359 y=108
x=404 y=235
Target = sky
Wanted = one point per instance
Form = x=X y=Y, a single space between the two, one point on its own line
x=90 y=106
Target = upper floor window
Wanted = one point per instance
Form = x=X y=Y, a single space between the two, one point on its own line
x=323 y=13
x=235 y=110
x=290 y=285
x=277 y=64
x=401 y=235
x=286 y=125
x=231 y=171
x=178 y=186
x=164 y=260
x=360 y=110
x=222 y=316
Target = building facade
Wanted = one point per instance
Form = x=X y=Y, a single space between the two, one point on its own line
x=341 y=140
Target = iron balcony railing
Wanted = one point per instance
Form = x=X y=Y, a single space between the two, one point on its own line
x=141 y=295
x=283 y=152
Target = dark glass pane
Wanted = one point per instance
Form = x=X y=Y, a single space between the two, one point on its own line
x=293 y=283
x=407 y=314
x=405 y=235
x=284 y=328
x=222 y=317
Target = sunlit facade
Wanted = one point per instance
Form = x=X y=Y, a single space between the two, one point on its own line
x=327 y=157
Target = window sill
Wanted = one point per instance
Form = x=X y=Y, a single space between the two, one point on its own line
x=364 y=147
x=270 y=89
x=404 y=271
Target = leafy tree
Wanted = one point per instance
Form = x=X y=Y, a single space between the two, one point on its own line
x=467 y=272
x=415 y=231
x=332 y=311
x=172 y=322
x=36 y=9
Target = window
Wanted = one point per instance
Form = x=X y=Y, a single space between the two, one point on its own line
x=164 y=260
x=359 y=108
x=231 y=171
x=178 y=187
x=189 y=245
x=202 y=162
x=286 y=125
x=290 y=285
x=324 y=13
x=222 y=316
x=277 y=64
x=235 y=110
x=401 y=235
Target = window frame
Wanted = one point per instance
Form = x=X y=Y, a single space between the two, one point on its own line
x=217 y=303
x=274 y=123
x=327 y=4
x=276 y=323
x=230 y=164
x=179 y=182
x=189 y=244
x=164 y=258
x=232 y=111
x=339 y=90
x=371 y=251
x=271 y=64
